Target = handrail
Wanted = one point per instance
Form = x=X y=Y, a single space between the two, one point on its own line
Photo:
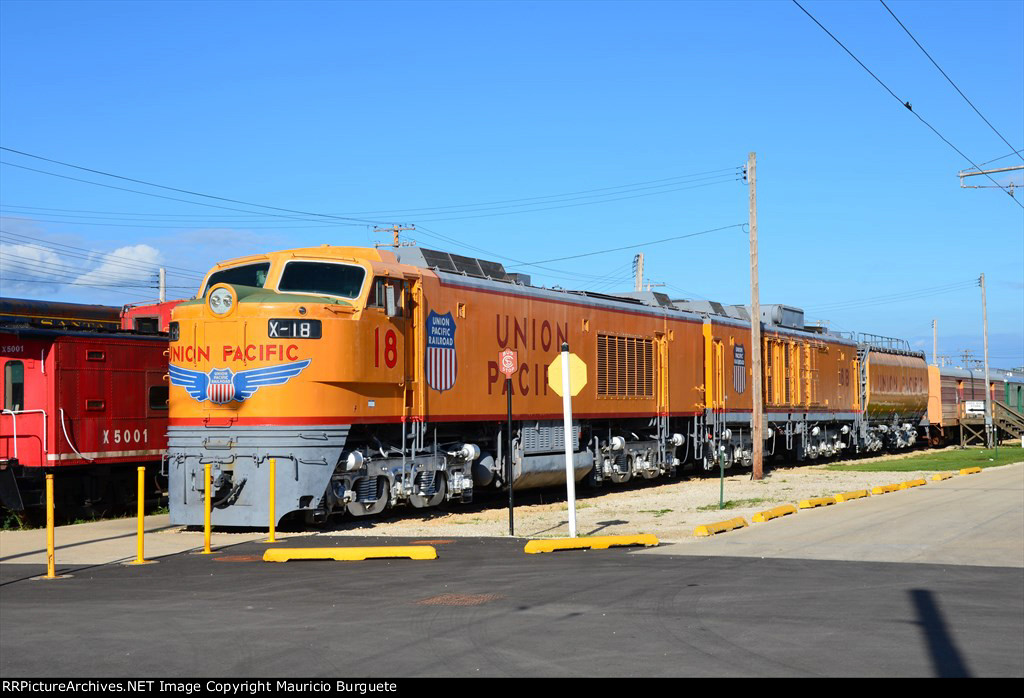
x=66 y=438
x=14 y=419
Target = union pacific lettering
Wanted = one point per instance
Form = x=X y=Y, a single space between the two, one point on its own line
x=526 y=333
x=232 y=352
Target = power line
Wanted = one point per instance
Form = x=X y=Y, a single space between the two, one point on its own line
x=638 y=186
x=161 y=196
x=173 y=227
x=636 y=245
x=728 y=178
x=947 y=77
x=905 y=103
x=1002 y=157
x=556 y=273
x=668 y=182
x=915 y=294
x=182 y=191
x=91 y=254
x=71 y=283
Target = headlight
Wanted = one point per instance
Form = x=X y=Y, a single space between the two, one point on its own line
x=221 y=301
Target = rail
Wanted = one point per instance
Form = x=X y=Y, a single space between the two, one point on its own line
x=14 y=425
x=880 y=342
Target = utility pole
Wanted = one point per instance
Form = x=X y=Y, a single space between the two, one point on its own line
x=163 y=284
x=989 y=436
x=638 y=272
x=756 y=425
x=395 y=229
x=935 y=342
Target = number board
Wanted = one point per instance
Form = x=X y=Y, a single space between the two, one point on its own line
x=288 y=328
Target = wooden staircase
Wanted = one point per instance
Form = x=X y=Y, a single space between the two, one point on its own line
x=1007 y=420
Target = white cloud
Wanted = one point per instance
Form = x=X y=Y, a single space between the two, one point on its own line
x=20 y=265
x=133 y=264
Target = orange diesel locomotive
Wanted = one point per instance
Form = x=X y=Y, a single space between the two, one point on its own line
x=372 y=377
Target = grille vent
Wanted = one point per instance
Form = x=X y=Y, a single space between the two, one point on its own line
x=625 y=366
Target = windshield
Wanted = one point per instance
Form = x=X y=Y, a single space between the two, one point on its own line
x=330 y=279
x=247 y=275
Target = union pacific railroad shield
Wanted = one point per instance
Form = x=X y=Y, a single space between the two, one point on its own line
x=442 y=363
x=222 y=386
x=739 y=369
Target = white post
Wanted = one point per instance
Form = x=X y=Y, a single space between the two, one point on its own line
x=570 y=472
x=163 y=285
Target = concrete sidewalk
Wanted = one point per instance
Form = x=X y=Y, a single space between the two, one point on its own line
x=114 y=540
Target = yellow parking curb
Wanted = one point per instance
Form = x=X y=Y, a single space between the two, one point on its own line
x=816 y=502
x=912 y=483
x=970 y=471
x=882 y=489
x=593 y=542
x=720 y=527
x=941 y=476
x=784 y=510
x=414 y=552
x=856 y=494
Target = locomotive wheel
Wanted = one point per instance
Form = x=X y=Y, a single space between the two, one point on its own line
x=422 y=501
x=620 y=476
x=375 y=507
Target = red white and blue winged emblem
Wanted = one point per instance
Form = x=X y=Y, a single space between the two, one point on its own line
x=222 y=385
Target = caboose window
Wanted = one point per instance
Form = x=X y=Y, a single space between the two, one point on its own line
x=246 y=275
x=158 y=397
x=342 y=280
x=14 y=386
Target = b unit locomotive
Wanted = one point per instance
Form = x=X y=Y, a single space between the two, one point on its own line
x=372 y=377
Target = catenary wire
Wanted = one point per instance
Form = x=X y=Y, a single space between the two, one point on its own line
x=955 y=86
x=904 y=102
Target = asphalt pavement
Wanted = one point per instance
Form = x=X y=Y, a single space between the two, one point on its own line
x=484 y=608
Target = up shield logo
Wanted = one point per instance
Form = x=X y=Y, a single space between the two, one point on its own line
x=739 y=369
x=442 y=364
x=222 y=385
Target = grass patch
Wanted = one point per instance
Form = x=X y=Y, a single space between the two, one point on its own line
x=735 y=504
x=945 y=460
x=656 y=512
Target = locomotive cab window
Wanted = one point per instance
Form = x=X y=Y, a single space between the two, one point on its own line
x=14 y=386
x=325 y=278
x=379 y=292
x=246 y=275
x=147 y=325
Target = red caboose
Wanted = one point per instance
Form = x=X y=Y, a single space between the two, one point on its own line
x=90 y=406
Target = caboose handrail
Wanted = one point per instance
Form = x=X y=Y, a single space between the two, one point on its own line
x=68 y=439
x=14 y=421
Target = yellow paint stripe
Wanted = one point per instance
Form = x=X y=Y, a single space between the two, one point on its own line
x=856 y=494
x=941 y=476
x=592 y=542
x=970 y=471
x=720 y=527
x=769 y=514
x=816 y=502
x=882 y=489
x=912 y=483
x=414 y=552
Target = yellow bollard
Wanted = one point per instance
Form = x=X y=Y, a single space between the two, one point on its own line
x=206 y=513
x=50 y=566
x=140 y=554
x=273 y=484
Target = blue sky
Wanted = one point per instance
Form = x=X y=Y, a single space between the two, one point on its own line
x=515 y=128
